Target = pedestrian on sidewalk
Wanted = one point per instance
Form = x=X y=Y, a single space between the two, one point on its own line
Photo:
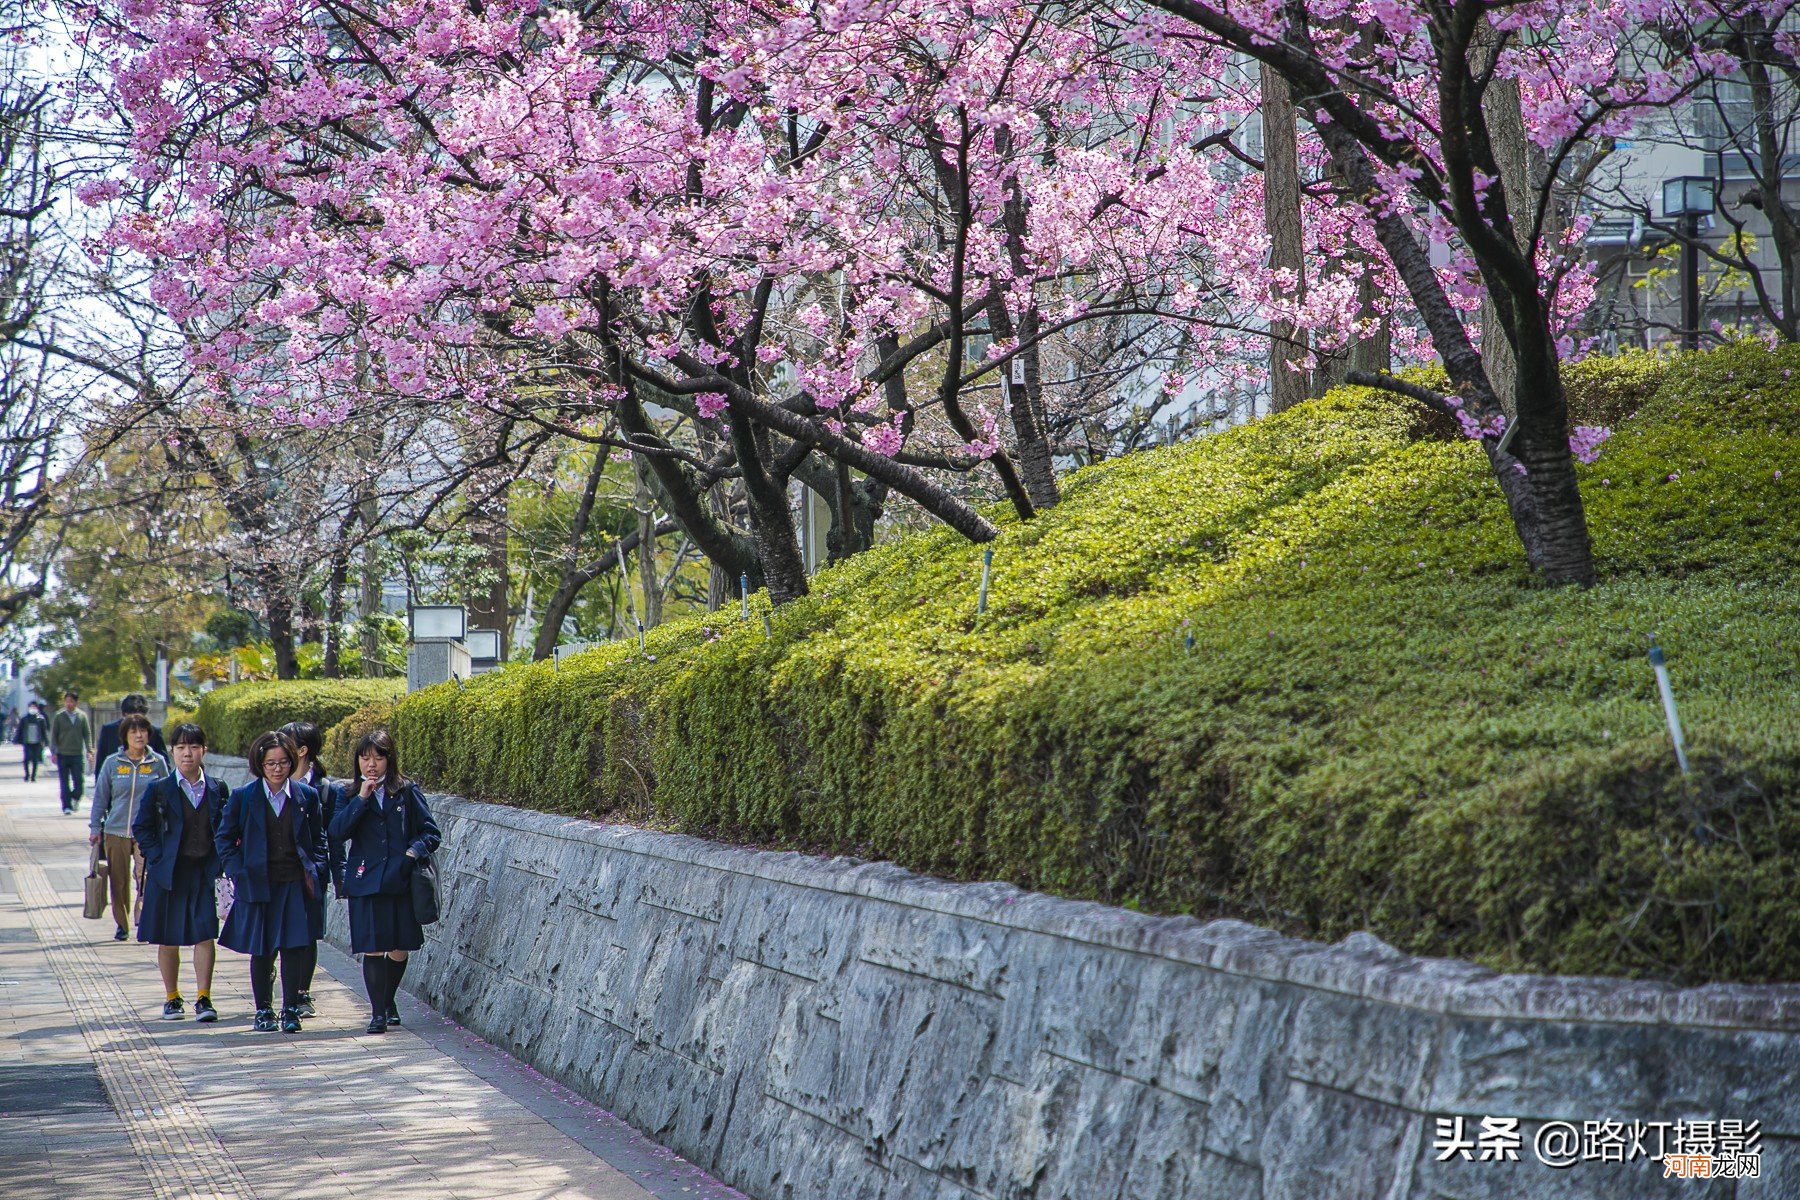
x=71 y=749
x=321 y=796
x=388 y=829
x=125 y=778
x=33 y=734
x=110 y=739
x=174 y=828
x=275 y=856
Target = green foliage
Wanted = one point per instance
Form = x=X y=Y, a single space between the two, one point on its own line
x=340 y=740
x=1384 y=723
x=233 y=716
x=230 y=628
x=177 y=715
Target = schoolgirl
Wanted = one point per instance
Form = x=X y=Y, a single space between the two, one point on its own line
x=322 y=796
x=174 y=828
x=388 y=829
x=275 y=855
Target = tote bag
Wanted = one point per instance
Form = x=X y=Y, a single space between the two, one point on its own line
x=424 y=883
x=93 y=899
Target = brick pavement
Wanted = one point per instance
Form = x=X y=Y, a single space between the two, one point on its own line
x=100 y=1099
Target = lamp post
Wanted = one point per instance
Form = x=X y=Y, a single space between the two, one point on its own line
x=438 y=651
x=1687 y=198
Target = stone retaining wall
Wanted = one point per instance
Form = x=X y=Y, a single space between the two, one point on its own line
x=814 y=1029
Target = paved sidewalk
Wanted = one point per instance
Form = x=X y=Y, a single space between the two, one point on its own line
x=100 y=1099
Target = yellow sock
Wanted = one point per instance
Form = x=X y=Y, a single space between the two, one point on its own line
x=175 y=995
x=206 y=996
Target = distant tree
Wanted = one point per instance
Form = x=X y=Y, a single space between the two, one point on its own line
x=33 y=399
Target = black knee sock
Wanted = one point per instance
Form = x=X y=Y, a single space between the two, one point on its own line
x=262 y=980
x=307 y=958
x=396 y=970
x=293 y=964
x=375 y=981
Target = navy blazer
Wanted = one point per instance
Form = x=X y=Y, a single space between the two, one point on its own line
x=375 y=861
x=159 y=820
x=330 y=796
x=243 y=838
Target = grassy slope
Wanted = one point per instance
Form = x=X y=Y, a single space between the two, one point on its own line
x=1382 y=724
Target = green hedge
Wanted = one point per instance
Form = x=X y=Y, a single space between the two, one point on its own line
x=233 y=716
x=1383 y=723
x=175 y=715
x=341 y=739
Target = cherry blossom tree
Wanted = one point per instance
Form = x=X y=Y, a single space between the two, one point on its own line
x=847 y=237
x=1397 y=93
x=782 y=227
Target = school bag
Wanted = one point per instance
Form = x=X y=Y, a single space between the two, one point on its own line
x=425 y=895
x=93 y=899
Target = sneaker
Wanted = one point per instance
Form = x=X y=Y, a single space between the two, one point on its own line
x=172 y=1010
x=290 y=1020
x=305 y=1007
x=393 y=1017
x=119 y=934
x=265 y=1021
x=204 y=1012
x=378 y=1024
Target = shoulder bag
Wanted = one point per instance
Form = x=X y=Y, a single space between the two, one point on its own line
x=426 y=906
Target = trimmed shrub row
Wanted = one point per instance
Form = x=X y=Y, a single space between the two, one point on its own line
x=341 y=739
x=233 y=716
x=1382 y=721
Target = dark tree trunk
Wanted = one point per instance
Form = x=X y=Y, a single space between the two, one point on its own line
x=855 y=505
x=278 y=608
x=771 y=516
x=1281 y=214
x=1506 y=121
x=1544 y=501
x=648 y=583
x=335 y=581
x=368 y=603
x=1030 y=416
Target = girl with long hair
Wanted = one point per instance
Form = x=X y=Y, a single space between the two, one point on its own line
x=388 y=829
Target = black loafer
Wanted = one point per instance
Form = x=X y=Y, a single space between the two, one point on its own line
x=377 y=1025
x=393 y=1017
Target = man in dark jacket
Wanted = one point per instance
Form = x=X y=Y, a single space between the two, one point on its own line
x=33 y=734
x=109 y=732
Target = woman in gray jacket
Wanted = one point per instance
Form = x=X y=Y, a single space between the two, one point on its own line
x=125 y=779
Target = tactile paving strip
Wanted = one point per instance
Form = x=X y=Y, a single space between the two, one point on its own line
x=181 y=1155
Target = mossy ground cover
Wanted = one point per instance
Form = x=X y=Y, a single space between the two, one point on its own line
x=1382 y=721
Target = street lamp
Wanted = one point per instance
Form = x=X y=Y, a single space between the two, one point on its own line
x=1688 y=198
x=484 y=648
x=437 y=652
x=433 y=622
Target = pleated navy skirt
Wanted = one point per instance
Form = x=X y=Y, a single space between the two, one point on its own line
x=384 y=922
x=183 y=915
x=315 y=916
x=262 y=927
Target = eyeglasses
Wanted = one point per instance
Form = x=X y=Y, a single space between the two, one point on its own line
x=270 y=764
